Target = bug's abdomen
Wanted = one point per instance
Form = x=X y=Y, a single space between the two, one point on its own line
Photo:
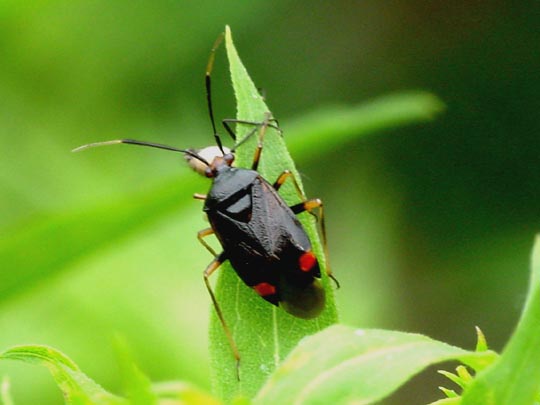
x=281 y=271
x=265 y=243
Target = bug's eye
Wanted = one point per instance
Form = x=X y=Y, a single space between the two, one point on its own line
x=229 y=158
x=208 y=172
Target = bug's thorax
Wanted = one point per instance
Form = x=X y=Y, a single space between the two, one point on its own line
x=229 y=182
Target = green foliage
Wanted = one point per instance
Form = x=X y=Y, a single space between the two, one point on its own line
x=61 y=240
x=463 y=377
x=283 y=359
x=74 y=384
x=79 y=389
x=515 y=376
x=347 y=365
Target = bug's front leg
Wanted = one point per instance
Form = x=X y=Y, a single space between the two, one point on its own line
x=203 y=234
x=272 y=123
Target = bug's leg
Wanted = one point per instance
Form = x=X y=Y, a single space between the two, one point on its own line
x=286 y=174
x=283 y=177
x=271 y=122
x=310 y=206
x=212 y=267
x=233 y=134
x=199 y=196
x=203 y=234
x=260 y=141
x=228 y=128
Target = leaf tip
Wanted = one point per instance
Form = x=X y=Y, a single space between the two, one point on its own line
x=431 y=105
x=481 y=342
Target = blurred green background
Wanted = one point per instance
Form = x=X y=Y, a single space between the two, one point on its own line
x=430 y=226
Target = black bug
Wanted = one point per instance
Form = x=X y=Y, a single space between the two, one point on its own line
x=259 y=233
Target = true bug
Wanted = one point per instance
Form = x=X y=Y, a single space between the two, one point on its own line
x=259 y=233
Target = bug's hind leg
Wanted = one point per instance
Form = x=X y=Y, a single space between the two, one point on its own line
x=210 y=269
x=310 y=206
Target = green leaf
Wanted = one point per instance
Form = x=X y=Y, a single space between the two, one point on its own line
x=481 y=342
x=345 y=365
x=263 y=333
x=449 y=393
x=448 y=401
x=515 y=377
x=74 y=384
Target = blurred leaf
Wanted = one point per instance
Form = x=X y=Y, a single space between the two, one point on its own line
x=74 y=384
x=329 y=127
x=5 y=396
x=515 y=377
x=182 y=393
x=346 y=365
x=137 y=386
x=40 y=248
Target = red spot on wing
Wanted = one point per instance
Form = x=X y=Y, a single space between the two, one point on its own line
x=264 y=289
x=307 y=261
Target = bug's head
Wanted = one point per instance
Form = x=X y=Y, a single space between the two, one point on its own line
x=218 y=158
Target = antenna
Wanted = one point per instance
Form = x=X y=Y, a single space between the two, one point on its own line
x=208 y=83
x=142 y=143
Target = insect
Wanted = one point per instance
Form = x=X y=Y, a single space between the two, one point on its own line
x=259 y=232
